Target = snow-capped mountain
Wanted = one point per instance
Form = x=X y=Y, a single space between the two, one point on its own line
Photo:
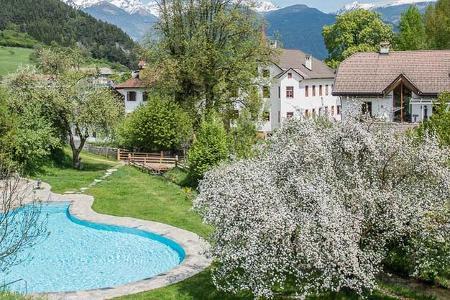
x=384 y=4
x=261 y=6
x=130 y=6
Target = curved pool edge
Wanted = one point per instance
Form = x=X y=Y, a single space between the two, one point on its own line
x=194 y=247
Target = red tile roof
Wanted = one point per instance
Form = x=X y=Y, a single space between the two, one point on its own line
x=131 y=83
x=372 y=73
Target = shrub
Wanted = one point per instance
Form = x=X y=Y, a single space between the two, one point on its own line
x=209 y=147
x=320 y=204
x=158 y=125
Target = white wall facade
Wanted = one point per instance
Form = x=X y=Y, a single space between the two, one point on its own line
x=383 y=107
x=281 y=107
x=131 y=106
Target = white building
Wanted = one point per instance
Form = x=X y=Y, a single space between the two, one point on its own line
x=134 y=91
x=297 y=84
x=393 y=86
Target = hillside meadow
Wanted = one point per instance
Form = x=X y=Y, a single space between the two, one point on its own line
x=11 y=58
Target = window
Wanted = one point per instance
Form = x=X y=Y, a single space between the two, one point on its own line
x=326 y=110
x=266 y=116
x=266 y=92
x=131 y=96
x=279 y=116
x=266 y=73
x=320 y=90
x=289 y=115
x=234 y=114
x=327 y=92
x=307 y=91
x=313 y=90
x=144 y=96
x=279 y=92
x=306 y=113
x=332 y=110
x=289 y=92
x=314 y=112
x=338 y=110
x=366 y=108
x=320 y=111
x=289 y=75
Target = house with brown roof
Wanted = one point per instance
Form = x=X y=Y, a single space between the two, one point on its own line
x=294 y=85
x=134 y=90
x=395 y=86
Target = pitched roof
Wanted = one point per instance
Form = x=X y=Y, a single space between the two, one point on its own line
x=131 y=83
x=295 y=59
x=373 y=73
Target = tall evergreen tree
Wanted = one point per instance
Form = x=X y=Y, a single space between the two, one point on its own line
x=437 y=24
x=412 y=30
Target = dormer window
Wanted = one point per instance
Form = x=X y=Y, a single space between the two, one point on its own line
x=266 y=73
x=289 y=75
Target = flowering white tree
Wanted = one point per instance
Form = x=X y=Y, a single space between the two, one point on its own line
x=318 y=207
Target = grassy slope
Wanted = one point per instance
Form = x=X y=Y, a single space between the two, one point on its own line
x=11 y=58
x=64 y=178
x=132 y=193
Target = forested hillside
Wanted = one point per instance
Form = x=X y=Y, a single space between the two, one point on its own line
x=53 y=21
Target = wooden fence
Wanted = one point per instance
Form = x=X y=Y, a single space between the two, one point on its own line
x=152 y=162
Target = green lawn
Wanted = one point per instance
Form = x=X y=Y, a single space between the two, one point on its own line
x=11 y=58
x=132 y=193
x=63 y=178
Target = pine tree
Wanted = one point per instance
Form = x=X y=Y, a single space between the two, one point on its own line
x=412 y=30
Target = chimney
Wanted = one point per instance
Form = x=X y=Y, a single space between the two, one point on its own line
x=385 y=47
x=135 y=74
x=308 y=61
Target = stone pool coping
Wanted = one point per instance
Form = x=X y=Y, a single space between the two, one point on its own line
x=194 y=246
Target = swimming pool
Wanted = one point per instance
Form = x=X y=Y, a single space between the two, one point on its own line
x=79 y=255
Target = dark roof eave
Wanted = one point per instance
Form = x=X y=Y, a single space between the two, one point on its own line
x=354 y=94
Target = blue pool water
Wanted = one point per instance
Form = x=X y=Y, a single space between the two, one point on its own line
x=78 y=255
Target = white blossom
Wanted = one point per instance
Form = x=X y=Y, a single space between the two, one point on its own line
x=319 y=205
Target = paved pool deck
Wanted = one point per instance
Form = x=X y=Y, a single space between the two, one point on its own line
x=193 y=245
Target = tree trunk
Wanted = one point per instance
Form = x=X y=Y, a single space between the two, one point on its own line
x=76 y=160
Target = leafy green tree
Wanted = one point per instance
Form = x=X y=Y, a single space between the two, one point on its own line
x=27 y=137
x=208 y=52
x=242 y=137
x=439 y=122
x=160 y=124
x=355 y=31
x=412 y=34
x=76 y=108
x=437 y=25
x=209 y=147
